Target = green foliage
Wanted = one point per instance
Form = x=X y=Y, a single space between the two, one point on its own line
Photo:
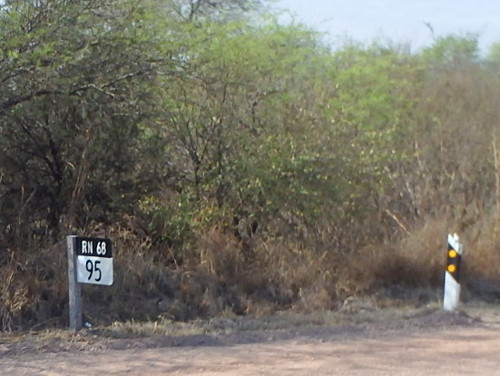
x=453 y=50
x=225 y=103
x=170 y=225
x=494 y=53
x=72 y=78
x=373 y=95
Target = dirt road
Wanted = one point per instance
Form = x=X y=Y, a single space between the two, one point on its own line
x=452 y=348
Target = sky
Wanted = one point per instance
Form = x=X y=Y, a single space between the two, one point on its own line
x=402 y=21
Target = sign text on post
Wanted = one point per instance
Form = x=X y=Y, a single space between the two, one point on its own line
x=94 y=261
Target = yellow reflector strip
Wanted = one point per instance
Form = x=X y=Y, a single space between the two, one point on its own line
x=452 y=253
x=452 y=268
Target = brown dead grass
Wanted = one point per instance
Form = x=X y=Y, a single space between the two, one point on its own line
x=223 y=276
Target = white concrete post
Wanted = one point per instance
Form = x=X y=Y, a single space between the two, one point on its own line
x=75 y=289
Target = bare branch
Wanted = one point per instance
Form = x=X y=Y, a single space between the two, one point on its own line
x=4 y=106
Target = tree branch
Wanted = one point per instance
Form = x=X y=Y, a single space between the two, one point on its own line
x=4 y=106
x=24 y=98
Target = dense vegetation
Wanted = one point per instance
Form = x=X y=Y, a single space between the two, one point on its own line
x=238 y=164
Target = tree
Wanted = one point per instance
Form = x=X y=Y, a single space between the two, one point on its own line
x=72 y=75
x=191 y=10
x=234 y=122
x=453 y=50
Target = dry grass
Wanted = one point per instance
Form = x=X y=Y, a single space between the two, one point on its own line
x=365 y=315
x=13 y=298
x=226 y=278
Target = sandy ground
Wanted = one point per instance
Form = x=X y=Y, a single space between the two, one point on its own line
x=434 y=344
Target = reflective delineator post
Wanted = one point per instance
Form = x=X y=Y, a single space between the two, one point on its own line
x=452 y=273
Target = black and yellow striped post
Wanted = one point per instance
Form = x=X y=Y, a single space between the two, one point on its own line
x=452 y=273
